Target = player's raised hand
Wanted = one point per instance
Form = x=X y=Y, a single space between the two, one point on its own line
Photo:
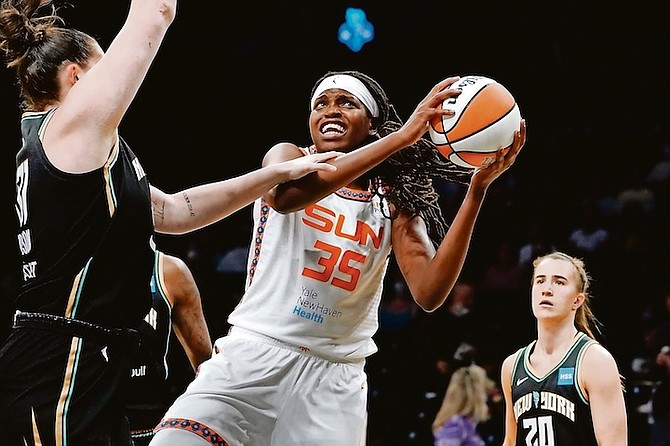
x=429 y=107
x=484 y=176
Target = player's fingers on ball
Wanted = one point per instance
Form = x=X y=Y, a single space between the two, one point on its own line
x=519 y=143
x=446 y=83
x=522 y=131
x=484 y=111
x=448 y=93
x=445 y=111
x=440 y=98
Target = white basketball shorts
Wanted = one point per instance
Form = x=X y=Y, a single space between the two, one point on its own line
x=257 y=391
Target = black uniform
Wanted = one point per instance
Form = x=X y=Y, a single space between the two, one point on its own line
x=84 y=242
x=552 y=410
x=148 y=393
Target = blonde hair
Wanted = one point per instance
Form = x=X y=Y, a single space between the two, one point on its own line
x=585 y=320
x=466 y=395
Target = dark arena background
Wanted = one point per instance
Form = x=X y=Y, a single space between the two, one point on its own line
x=593 y=86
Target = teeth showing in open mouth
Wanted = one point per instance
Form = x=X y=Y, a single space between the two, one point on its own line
x=332 y=128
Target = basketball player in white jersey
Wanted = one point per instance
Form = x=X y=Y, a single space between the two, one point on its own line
x=291 y=370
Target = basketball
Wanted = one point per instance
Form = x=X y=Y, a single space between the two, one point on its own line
x=487 y=115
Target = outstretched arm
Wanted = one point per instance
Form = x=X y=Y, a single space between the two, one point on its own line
x=95 y=98
x=199 y=206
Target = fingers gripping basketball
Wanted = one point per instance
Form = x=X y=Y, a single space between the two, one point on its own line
x=486 y=117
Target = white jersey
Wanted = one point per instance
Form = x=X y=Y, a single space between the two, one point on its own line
x=315 y=276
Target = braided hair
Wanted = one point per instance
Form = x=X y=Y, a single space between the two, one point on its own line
x=34 y=42
x=407 y=175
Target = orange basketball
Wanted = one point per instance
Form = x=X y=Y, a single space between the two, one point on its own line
x=487 y=115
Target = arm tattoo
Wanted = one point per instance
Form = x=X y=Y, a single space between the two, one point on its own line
x=188 y=204
x=159 y=213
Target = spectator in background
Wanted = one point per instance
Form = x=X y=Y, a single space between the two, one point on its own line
x=660 y=171
x=658 y=180
x=398 y=315
x=660 y=403
x=227 y=284
x=500 y=301
x=658 y=341
x=537 y=242
x=397 y=309
x=504 y=276
x=454 y=328
x=601 y=193
x=464 y=406
x=636 y=196
x=590 y=238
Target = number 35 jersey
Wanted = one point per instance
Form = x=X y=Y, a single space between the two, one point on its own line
x=552 y=410
x=314 y=277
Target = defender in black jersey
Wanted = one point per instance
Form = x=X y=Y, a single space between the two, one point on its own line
x=175 y=304
x=84 y=241
x=85 y=217
x=563 y=389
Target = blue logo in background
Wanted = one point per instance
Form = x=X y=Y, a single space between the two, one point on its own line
x=356 y=31
x=566 y=376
